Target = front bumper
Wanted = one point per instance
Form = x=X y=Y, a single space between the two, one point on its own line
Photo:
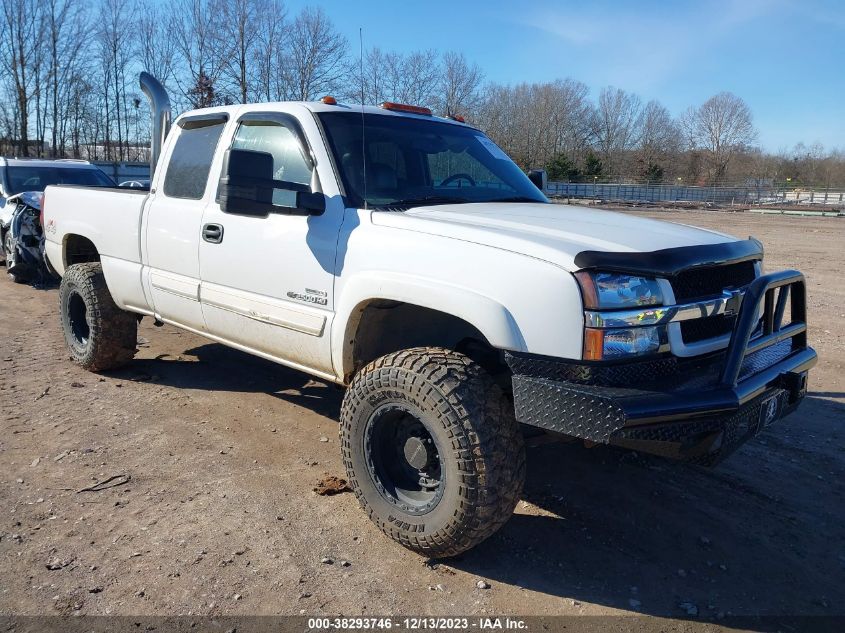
x=697 y=410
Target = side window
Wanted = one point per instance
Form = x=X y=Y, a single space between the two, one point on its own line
x=190 y=161
x=289 y=163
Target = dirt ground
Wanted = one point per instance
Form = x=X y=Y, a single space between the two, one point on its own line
x=224 y=450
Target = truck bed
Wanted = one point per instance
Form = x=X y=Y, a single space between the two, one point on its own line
x=108 y=217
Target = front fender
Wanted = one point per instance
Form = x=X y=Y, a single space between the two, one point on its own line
x=490 y=317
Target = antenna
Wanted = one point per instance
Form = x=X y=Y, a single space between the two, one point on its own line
x=363 y=126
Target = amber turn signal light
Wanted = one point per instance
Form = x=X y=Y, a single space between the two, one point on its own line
x=593 y=344
x=404 y=107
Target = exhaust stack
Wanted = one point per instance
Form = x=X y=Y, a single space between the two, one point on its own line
x=160 y=109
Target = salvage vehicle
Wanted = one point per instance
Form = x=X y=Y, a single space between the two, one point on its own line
x=407 y=258
x=23 y=240
x=22 y=183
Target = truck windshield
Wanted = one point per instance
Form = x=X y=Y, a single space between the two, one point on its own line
x=37 y=178
x=412 y=162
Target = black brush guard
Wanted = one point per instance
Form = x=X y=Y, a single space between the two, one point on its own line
x=700 y=414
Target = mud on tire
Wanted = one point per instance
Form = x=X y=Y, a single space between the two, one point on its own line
x=452 y=423
x=99 y=335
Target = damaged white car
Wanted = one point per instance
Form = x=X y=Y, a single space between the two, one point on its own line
x=22 y=183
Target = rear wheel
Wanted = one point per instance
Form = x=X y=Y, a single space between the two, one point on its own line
x=99 y=335
x=432 y=450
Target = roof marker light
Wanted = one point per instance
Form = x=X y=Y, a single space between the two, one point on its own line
x=404 y=107
x=329 y=100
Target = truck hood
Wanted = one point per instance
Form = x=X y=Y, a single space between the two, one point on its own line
x=552 y=232
x=29 y=198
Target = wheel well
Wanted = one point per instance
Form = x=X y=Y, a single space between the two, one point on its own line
x=79 y=250
x=387 y=326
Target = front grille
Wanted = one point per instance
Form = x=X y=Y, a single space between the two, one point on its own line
x=709 y=327
x=709 y=281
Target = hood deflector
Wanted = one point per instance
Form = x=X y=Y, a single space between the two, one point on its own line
x=671 y=261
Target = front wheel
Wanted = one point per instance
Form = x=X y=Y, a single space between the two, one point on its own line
x=99 y=335
x=432 y=450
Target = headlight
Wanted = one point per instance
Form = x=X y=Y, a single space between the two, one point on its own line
x=618 y=343
x=608 y=291
x=603 y=291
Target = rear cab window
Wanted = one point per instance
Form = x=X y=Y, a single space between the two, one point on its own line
x=39 y=177
x=192 y=155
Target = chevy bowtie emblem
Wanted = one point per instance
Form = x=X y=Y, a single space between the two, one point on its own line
x=733 y=301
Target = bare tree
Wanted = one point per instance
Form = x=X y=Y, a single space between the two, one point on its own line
x=269 y=52
x=411 y=78
x=115 y=51
x=65 y=23
x=617 y=122
x=536 y=123
x=20 y=41
x=156 y=47
x=39 y=89
x=369 y=81
x=194 y=28
x=316 y=59
x=560 y=119
x=659 y=141
x=155 y=52
x=414 y=79
x=460 y=83
x=720 y=127
x=238 y=35
x=83 y=114
x=502 y=116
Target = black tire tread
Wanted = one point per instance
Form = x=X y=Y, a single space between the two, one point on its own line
x=486 y=440
x=113 y=332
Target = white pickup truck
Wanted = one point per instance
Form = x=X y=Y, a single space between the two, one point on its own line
x=407 y=257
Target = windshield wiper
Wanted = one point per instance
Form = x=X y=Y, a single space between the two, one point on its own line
x=516 y=199
x=421 y=201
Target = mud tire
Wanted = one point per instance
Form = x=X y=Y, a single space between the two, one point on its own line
x=480 y=447
x=98 y=334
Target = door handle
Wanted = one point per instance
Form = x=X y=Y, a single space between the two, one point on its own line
x=212 y=233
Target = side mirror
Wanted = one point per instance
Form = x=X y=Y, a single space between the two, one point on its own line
x=247 y=185
x=539 y=178
x=312 y=202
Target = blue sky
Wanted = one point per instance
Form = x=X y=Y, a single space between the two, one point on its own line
x=784 y=57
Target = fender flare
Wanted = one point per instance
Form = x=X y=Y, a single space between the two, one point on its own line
x=490 y=317
x=67 y=236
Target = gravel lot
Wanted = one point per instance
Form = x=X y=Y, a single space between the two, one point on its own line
x=224 y=450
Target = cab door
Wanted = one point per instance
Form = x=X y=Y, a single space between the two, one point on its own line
x=267 y=282
x=174 y=218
